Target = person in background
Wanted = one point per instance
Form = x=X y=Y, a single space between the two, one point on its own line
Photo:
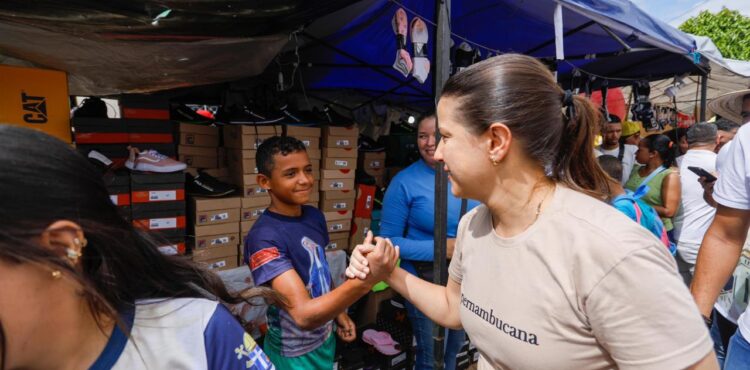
x=81 y=288
x=629 y=203
x=694 y=215
x=612 y=132
x=409 y=221
x=722 y=246
x=544 y=274
x=655 y=156
x=678 y=135
x=726 y=131
x=631 y=133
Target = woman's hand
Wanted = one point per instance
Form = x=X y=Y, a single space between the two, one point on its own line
x=357 y=262
x=382 y=252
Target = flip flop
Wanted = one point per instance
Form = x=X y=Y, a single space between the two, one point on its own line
x=382 y=342
x=419 y=38
x=400 y=25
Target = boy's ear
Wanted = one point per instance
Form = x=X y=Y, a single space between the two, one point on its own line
x=264 y=181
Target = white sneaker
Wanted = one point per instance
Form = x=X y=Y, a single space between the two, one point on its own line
x=152 y=161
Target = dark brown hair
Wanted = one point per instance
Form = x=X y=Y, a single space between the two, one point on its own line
x=520 y=92
x=43 y=180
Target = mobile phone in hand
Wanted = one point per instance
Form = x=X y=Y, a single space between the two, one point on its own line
x=702 y=173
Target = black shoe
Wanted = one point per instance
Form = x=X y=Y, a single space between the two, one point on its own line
x=332 y=118
x=183 y=113
x=293 y=116
x=367 y=144
x=242 y=115
x=99 y=160
x=206 y=186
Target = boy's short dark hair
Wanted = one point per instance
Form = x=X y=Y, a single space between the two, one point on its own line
x=612 y=166
x=283 y=145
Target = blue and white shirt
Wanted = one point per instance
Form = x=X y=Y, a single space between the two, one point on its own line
x=181 y=333
x=277 y=244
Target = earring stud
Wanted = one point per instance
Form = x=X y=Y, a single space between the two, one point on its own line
x=56 y=274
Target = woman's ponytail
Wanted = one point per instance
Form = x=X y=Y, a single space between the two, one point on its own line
x=576 y=165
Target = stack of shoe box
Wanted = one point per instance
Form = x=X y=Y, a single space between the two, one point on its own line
x=241 y=144
x=310 y=136
x=252 y=208
x=118 y=186
x=158 y=207
x=214 y=231
x=373 y=163
x=337 y=192
x=467 y=356
x=198 y=146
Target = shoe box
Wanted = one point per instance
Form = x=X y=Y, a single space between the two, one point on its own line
x=301 y=132
x=112 y=137
x=223 y=214
x=338 y=241
x=198 y=156
x=144 y=107
x=336 y=184
x=241 y=161
x=467 y=355
x=158 y=204
x=253 y=207
x=333 y=201
x=118 y=186
x=216 y=246
x=373 y=163
x=248 y=184
x=248 y=136
x=360 y=227
x=365 y=201
x=172 y=246
x=37 y=99
x=338 y=221
x=198 y=135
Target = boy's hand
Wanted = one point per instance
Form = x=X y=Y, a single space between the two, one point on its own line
x=346 y=329
x=357 y=262
x=382 y=260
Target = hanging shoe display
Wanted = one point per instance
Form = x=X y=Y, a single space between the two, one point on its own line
x=419 y=38
x=403 y=61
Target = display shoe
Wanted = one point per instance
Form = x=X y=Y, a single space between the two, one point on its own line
x=205 y=185
x=183 y=113
x=332 y=118
x=400 y=25
x=99 y=160
x=464 y=56
x=152 y=161
x=419 y=38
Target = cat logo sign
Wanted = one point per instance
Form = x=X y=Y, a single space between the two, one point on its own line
x=35 y=98
x=35 y=108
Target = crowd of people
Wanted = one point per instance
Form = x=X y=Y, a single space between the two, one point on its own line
x=571 y=256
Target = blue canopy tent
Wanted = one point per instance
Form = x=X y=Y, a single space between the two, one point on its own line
x=354 y=48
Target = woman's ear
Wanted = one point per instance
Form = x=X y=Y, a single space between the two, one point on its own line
x=499 y=139
x=65 y=239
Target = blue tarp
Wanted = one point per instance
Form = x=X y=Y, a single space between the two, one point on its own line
x=522 y=26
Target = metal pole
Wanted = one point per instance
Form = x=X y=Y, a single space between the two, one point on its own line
x=704 y=93
x=442 y=71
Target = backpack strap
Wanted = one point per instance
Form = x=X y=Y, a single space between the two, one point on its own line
x=621 y=153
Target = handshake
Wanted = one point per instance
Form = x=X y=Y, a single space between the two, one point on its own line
x=373 y=262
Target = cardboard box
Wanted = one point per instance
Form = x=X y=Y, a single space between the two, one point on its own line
x=191 y=128
x=338 y=242
x=338 y=194
x=216 y=216
x=218 y=229
x=215 y=252
x=253 y=190
x=191 y=139
x=200 y=204
x=261 y=201
x=303 y=131
x=214 y=240
x=37 y=99
x=373 y=163
x=219 y=264
x=172 y=249
x=241 y=161
x=380 y=181
x=248 y=136
x=335 y=205
x=314 y=197
x=336 y=174
x=365 y=201
x=245 y=227
x=360 y=227
x=198 y=161
x=339 y=153
x=367 y=312
x=338 y=215
x=337 y=226
x=153 y=187
x=339 y=164
x=336 y=184
x=311 y=143
x=339 y=142
x=314 y=154
x=252 y=214
x=197 y=151
x=349 y=131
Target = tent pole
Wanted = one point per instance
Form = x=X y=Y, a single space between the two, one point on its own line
x=442 y=72
x=704 y=93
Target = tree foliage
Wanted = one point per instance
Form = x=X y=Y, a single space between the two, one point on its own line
x=728 y=29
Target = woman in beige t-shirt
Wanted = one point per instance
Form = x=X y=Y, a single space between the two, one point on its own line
x=545 y=275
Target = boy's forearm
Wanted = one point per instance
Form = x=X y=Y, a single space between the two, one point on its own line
x=327 y=307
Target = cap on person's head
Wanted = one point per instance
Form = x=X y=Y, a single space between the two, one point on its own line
x=729 y=105
x=630 y=128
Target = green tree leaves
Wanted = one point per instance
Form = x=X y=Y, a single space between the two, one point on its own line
x=728 y=29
